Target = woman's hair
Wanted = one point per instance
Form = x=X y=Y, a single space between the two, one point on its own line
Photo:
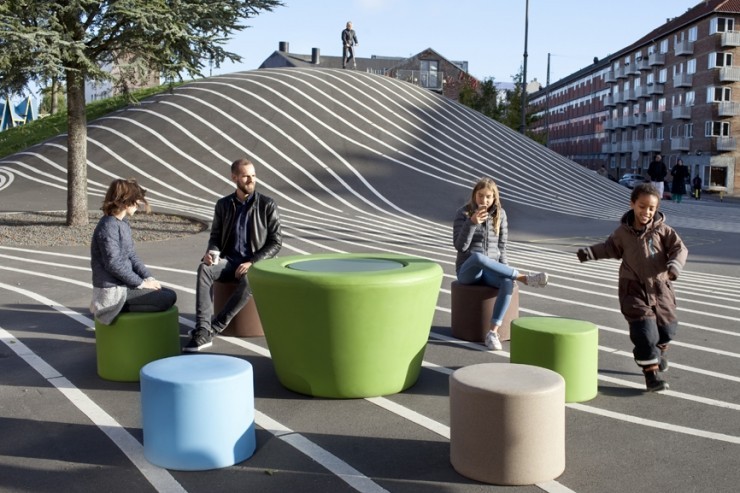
x=121 y=194
x=644 y=189
x=495 y=209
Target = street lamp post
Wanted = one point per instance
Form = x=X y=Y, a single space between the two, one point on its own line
x=523 y=126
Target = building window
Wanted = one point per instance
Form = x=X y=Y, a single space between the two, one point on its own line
x=689 y=130
x=648 y=106
x=717 y=94
x=720 y=60
x=693 y=33
x=430 y=73
x=663 y=75
x=721 y=25
x=690 y=97
x=650 y=79
x=661 y=104
x=659 y=133
x=691 y=66
x=663 y=46
x=717 y=129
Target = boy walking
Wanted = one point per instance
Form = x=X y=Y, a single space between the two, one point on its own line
x=653 y=256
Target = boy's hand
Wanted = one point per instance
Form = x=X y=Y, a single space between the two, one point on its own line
x=584 y=254
x=672 y=273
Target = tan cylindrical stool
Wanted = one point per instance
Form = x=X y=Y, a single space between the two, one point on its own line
x=246 y=323
x=507 y=423
x=472 y=306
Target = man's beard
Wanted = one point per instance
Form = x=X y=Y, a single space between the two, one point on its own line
x=246 y=188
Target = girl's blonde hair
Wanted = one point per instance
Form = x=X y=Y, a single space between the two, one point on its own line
x=123 y=193
x=495 y=209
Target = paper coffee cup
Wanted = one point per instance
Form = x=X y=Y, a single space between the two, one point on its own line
x=215 y=254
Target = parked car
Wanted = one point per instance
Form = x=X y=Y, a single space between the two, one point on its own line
x=629 y=180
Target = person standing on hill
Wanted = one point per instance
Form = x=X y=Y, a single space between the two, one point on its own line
x=657 y=172
x=349 y=41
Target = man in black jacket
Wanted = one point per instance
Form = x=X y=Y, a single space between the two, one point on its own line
x=349 y=40
x=657 y=172
x=245 y=230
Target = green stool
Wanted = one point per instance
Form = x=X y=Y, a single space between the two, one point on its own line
x=566 y=346
x=133 y=340
x=346 y=325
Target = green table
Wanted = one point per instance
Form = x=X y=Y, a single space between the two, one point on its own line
x=346 y=325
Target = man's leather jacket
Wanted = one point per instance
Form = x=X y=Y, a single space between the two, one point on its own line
x=265 y=236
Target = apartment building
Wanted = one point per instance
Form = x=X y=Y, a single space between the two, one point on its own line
x=675 y=91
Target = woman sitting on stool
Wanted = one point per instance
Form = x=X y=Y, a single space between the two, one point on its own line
x=121 y=281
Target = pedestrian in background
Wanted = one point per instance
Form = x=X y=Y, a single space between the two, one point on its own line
x=349 y=41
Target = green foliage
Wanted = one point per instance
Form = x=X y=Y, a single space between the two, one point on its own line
x=19 y=138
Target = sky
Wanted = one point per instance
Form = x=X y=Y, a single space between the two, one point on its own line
x=488 y=34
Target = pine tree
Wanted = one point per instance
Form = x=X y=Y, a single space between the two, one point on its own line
x=71 y=40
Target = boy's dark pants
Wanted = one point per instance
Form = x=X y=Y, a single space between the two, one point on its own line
x=647 y=335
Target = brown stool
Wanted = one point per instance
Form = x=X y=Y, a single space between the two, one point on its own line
x=246 y=323
x=472 y=306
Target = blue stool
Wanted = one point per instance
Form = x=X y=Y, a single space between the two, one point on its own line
x=197 y=412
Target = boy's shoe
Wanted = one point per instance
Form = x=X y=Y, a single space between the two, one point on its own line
x=492 y=341
x=201 y=339
x=663 y=364
x=536 y=280
x=653 y=382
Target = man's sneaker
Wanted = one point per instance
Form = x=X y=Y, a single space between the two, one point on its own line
x=492 y=341
x=536 y=280
x=663 y=364
x=201 y=339
x=653 y=382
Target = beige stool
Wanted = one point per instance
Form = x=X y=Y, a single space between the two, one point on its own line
x=507 y=423
x=472 y=306
x=246 y=323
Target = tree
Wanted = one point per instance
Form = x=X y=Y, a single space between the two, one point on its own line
x=482 y=97
x=72 y=40
x=512 y=114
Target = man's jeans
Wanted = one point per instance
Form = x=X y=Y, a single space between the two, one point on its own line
x=223 y=272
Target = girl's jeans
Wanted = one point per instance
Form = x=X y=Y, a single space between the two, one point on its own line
x=479 y=269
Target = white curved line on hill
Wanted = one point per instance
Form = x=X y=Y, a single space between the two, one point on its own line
x=519 y=183
x=156 y=159
x=91 y=184
x=171 y=146
x=290 y=139
x=321 y=142
x=6 y=178
x=253 y=156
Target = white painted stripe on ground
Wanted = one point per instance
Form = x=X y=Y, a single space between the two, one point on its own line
x=87 y=322
x=159 y=478
x=656 y=424
x=337 y=466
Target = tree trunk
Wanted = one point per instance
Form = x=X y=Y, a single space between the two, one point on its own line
x=76 y=150
x=54 y=96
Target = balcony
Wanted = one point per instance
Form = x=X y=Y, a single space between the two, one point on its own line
x=621 y=73
x=683 y=80
x=728 y=108
x=610 y=77
x=682 y=112
x=625 y=146
x=641 y=92
x=651 y=145
x=656 y=59
x=609 y=124
x=655 y=89
x=629 y=121
x=684 y=47
x=632 y=69
x=619 y=98
x=631 y=96
x=608 y=148
x=729 y=74
x=731 y=38
x=654 y=117
x=609 y=101
x=680 y=143
x=424 y=78
x=725 y=143
x=643 y=65
x=641 y=119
